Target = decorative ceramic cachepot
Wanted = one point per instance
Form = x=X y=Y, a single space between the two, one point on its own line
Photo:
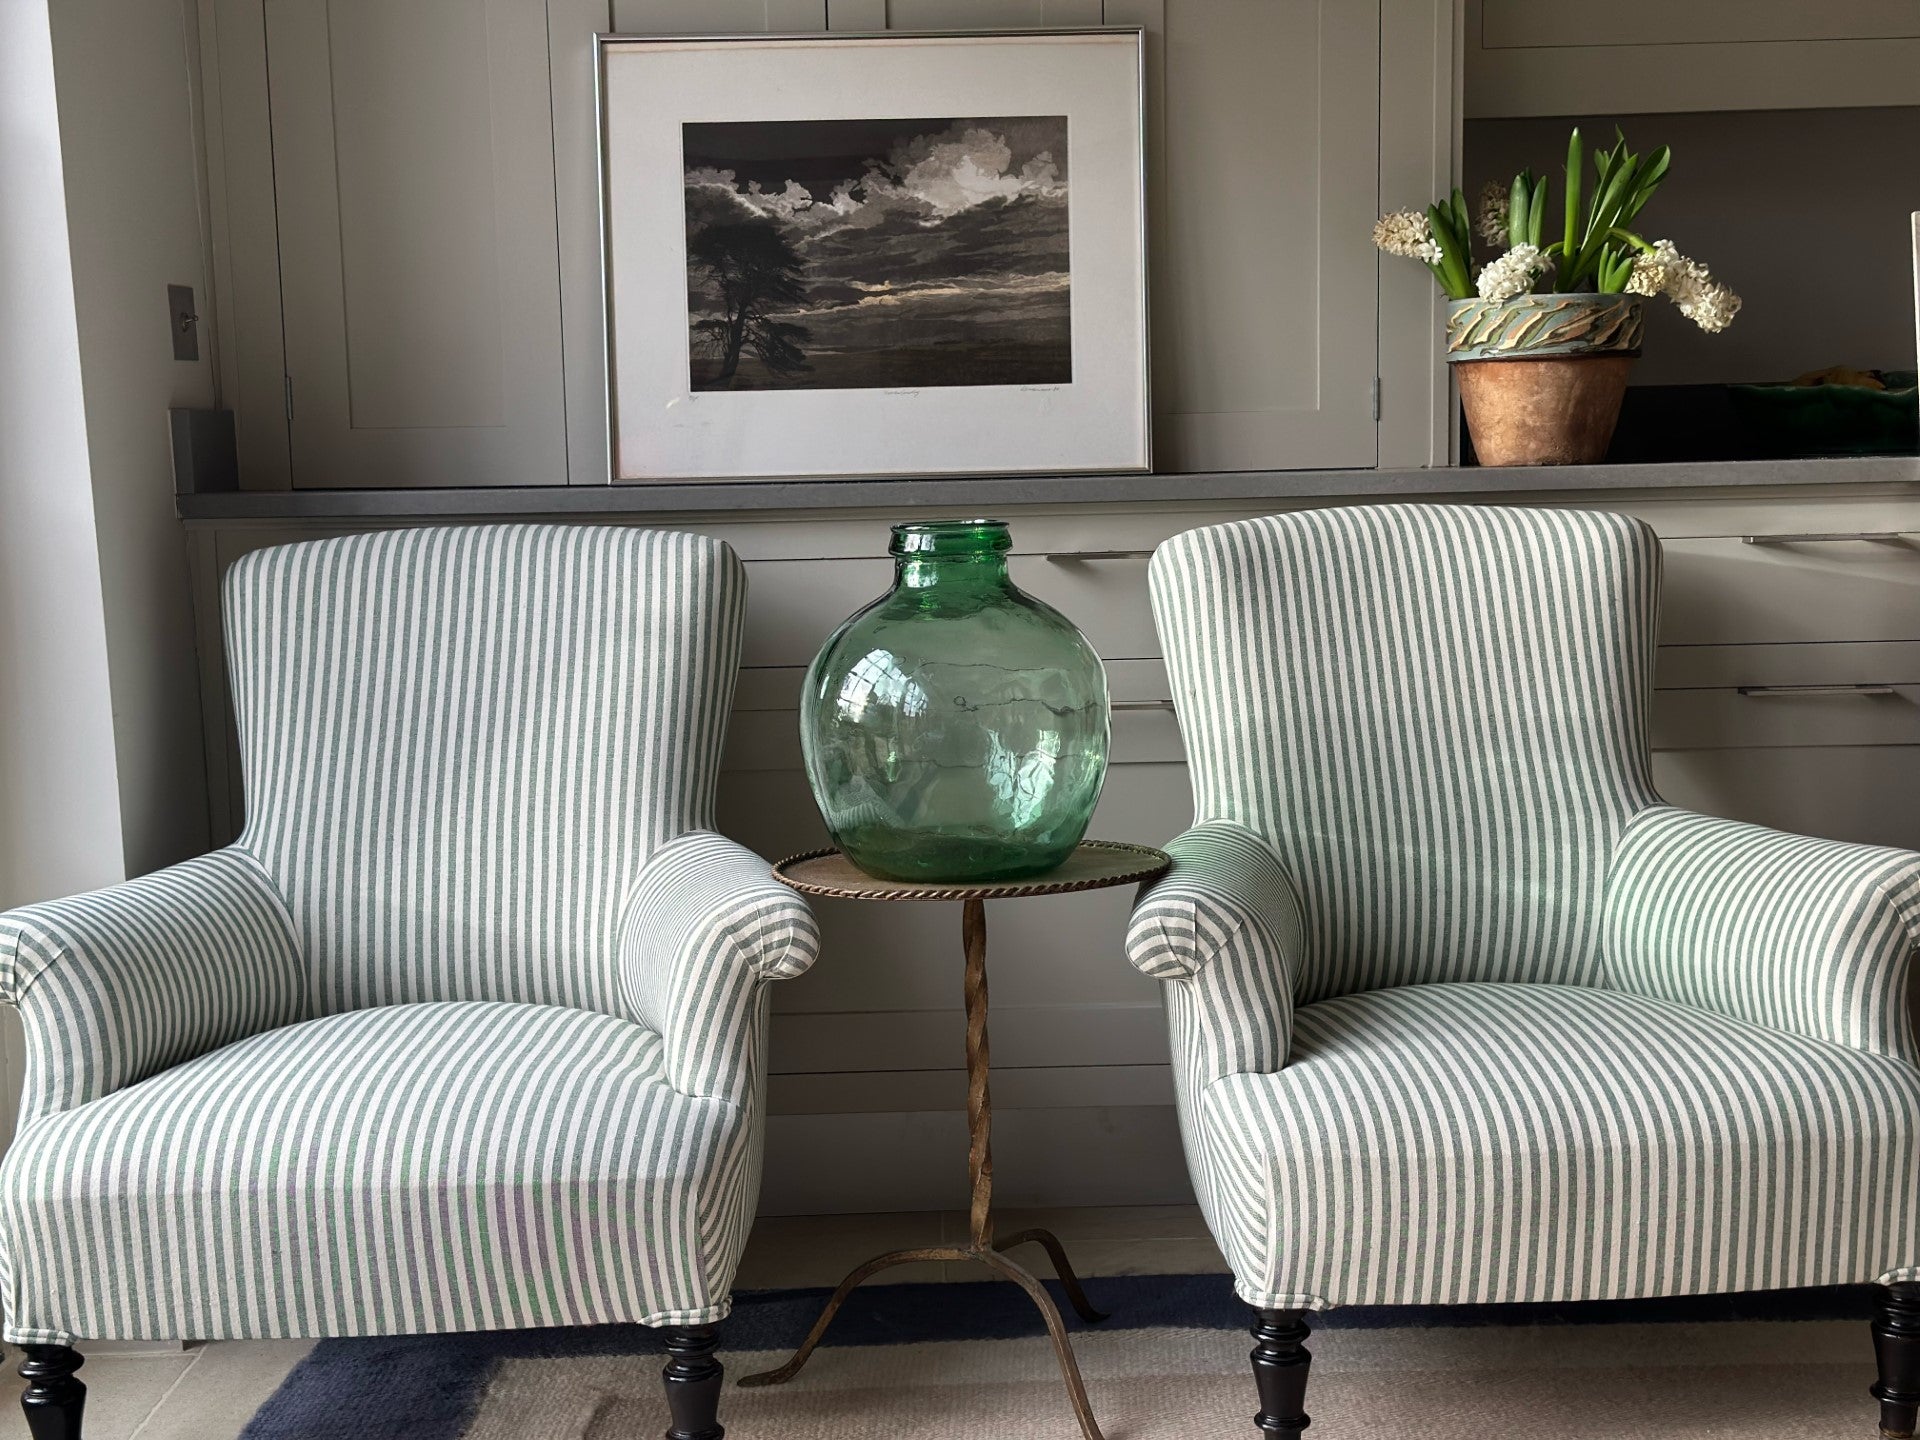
x=1542 y=376
x=955 y=729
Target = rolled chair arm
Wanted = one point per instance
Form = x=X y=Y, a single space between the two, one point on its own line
x=1813 y=937
x=1223 y=928
x=705 y=926
x=119 y=984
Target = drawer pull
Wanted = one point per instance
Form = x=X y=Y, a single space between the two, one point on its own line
x=1817 y=690
x=1141 y=705
x=1064 y=557
x=1827 y=537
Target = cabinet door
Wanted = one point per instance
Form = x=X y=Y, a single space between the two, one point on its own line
x=717 y=17
x=413 y=158
x=1263 y=180
x=1570 y=57
x=1263 y=160
x=1838 y=792
x=963 y=14
x=1263 y=163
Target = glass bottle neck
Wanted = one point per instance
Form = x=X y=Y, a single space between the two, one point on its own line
x=983 y=571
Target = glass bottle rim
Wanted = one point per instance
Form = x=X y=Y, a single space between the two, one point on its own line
x=936 y=539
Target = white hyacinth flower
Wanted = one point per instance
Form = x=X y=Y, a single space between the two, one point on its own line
x=1710 y=305
x=1654 y=273
x=1513 y=273
x=1490 y=215
x=1407 y=233
x=1688 y=283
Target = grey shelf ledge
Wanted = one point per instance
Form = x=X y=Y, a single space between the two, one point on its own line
x=992 y=491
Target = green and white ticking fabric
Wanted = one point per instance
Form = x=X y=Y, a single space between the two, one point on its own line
x=466 y=1030
x=1460 y=1011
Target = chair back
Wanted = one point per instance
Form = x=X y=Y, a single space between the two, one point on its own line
x=1438 y=716
x=460 y=744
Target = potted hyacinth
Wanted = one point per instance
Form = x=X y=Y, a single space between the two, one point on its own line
x=1541 y=335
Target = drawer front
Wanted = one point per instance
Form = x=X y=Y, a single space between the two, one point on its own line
x=1104 y=594
x=1787 y=716
x=794 y=605
x=1839 y=662
x=1863 y=793
x=1727 y=591
x=764 y=731
x=889 y=1092
x=1792 y=584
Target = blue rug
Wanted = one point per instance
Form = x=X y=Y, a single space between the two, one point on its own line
x=429 y=1387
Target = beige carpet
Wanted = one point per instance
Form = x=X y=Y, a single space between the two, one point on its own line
x=1746 y=1381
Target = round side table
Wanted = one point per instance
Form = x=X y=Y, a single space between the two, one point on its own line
x=1096 y=865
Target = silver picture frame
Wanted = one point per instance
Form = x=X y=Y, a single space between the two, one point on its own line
x=668 y=420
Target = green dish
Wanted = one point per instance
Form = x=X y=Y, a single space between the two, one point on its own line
x=1791 y=421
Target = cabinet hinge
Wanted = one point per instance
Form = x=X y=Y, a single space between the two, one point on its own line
x=287 y=380
x=1375 y=398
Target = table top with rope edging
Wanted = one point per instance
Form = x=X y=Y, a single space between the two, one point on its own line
x=1094 y=865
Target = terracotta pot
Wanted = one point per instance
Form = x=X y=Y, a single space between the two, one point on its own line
x=1542 y=376
x=1557 y=411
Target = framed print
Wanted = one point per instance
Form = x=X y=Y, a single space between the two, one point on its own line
x=913 y=254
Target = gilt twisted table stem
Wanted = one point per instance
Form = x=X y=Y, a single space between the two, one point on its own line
x=1105 y=864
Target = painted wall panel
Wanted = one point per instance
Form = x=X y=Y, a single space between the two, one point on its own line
x=125 y=78
x=414 y=178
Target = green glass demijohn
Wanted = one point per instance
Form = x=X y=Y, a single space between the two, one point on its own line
x=956 y=729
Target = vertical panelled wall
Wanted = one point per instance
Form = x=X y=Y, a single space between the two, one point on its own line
x=413 y=172
x=60 y=822
x=1263 y=152
x=404 y=193
x=129 y=143
x=406 y=212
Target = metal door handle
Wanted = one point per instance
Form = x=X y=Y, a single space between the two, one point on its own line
x=1062 y=556
x=1763 y=692
x=1141 y=705
x=1825 y=537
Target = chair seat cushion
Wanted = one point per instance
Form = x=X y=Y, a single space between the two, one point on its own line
x=415 y=1168
x=1465 y=1143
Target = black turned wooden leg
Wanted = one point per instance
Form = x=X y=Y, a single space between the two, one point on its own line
x=693 y=1378
x=54 y=1398
x=1280 y=1362
x=1896 y=1345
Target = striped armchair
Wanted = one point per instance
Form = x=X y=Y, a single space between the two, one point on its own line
x=1460 y=1011
x=466 y=1030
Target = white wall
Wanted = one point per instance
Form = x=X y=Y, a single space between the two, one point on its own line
x=125 y=74
x=1804 y=212
x=101 y=769
x=59 y=801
